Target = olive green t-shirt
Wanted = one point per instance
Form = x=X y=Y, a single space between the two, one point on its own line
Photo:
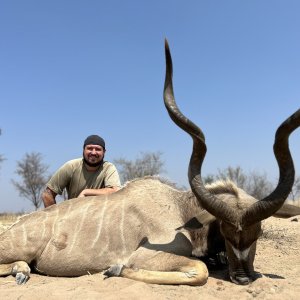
x=74 y=176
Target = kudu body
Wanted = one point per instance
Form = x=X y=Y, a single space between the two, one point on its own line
x=149 y=231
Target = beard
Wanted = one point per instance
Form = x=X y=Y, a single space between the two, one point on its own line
x=92 y=164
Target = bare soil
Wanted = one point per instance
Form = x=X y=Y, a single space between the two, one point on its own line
x=277 y=263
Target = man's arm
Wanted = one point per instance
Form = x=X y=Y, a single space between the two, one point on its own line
x=96 y=192
x=48 y=197
x=111 y=182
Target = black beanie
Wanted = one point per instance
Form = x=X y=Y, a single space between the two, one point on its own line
x=94 y=140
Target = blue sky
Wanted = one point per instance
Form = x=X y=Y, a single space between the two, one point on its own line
x=73 y=68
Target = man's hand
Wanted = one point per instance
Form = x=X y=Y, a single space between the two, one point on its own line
x=97 y=192
x=82 y=194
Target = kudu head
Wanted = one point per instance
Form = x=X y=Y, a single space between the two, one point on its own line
x=239 y=227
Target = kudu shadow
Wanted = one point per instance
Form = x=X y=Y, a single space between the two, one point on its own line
x=222 y=274
x=180 y=245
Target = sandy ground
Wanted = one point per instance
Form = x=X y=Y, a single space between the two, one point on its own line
x=277 y=262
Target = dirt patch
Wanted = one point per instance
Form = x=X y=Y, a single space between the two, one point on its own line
x=277 y=263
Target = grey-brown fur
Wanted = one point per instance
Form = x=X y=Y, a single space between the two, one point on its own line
x=88 y=235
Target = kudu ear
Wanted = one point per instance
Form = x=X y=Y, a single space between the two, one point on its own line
x=205 y=218
x=200 y=220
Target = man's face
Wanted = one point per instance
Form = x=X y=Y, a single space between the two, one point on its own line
x=93 y=154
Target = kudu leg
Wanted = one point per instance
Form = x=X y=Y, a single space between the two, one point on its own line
x=20 y=269
x=179 y=270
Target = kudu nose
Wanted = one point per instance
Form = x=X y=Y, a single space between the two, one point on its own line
x=240 y=277
x=242 y=280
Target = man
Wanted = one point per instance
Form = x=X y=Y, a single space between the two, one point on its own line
x=87 y=176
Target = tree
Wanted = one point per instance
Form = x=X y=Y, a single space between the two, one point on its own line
x=1 y=156
x=236 y=175
x=33 y=178
x=255 y=184
x=258 y=185
x=295 y=193
x=148 y=163
x=208 y=179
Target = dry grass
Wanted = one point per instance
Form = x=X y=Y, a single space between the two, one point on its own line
x=295 y=202
x=7 y=219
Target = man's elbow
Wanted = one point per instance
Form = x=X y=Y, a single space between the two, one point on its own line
x=48 y=199
x=113 y=189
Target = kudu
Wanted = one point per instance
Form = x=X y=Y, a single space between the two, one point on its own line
x=148 y=230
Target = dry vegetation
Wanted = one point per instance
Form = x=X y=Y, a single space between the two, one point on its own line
x=7 y=219
x=296 y=202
